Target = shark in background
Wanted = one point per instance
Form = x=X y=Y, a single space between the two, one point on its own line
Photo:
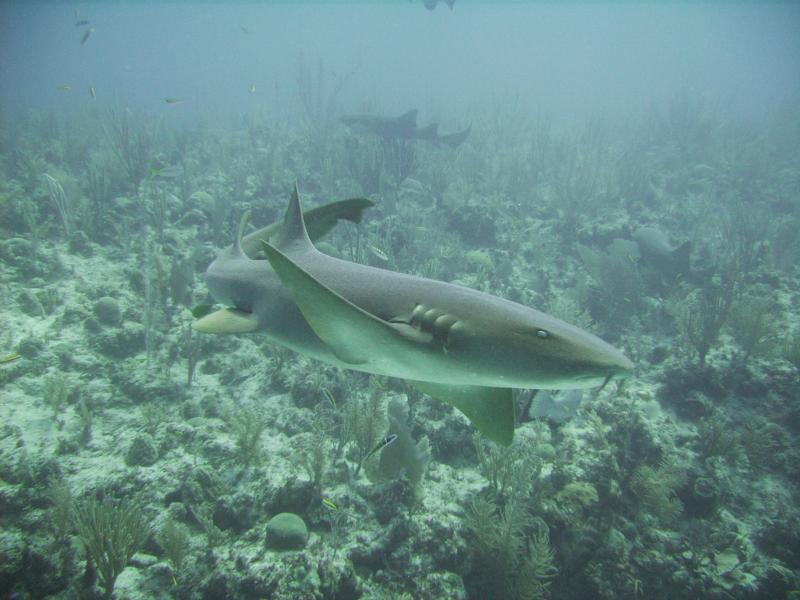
x=432 y=4
x=659 y=254
x=405 y=127
x=457 y=344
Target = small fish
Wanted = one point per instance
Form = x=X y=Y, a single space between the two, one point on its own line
x=413 y=187
x=168 y=172
x=10 y=358
x=481 y=259
x=431 y=4
x=330 y=504
x=81 y=23
x=244 y=29
x=64 y=88
x=380 y=254
x=329 y=395
x=87 y=35
x=201 y=310
x=252 y=88
x=171 y=100
x=382 y=444
x=92 y=92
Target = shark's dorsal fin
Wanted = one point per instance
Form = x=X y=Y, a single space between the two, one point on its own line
x=409 y=119
x=293 y=235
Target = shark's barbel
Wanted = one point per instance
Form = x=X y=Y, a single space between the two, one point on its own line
x=465 y=347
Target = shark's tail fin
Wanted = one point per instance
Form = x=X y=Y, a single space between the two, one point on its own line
x=454 y=140
x=450 y=3
x=322 y=219
x=319 y=221
x=429 y=133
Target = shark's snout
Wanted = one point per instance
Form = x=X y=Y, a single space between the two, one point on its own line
x=624 y=365
x=596 y=359
x=608 y=360
x=621 y=368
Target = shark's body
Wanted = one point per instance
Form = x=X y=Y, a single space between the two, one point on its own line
x=659 y=254
x=463 y=346
x=432 y=4
x=405 y=127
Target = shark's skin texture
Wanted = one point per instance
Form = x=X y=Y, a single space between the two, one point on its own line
x=464 y=346
x=405 y=127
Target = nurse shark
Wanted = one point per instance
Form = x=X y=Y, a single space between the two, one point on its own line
x=462 y=346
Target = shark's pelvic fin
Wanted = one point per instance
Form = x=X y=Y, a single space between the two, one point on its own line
x=226 y=320
x=352 y=334
x=490 y=410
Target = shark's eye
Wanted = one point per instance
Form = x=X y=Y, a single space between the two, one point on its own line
x=542 y=333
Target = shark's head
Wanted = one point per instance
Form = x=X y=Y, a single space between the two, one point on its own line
x=536 y=350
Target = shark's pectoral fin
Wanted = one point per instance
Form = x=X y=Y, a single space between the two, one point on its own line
x=491 y=410
x=226 y=320
x=352 y=334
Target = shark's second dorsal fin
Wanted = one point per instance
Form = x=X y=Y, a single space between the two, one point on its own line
x=409 y=119
x=293 y=234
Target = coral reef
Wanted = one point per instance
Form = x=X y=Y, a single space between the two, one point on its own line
x=141 y=460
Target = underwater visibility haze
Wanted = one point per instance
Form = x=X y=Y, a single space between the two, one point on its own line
x=400 y=300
